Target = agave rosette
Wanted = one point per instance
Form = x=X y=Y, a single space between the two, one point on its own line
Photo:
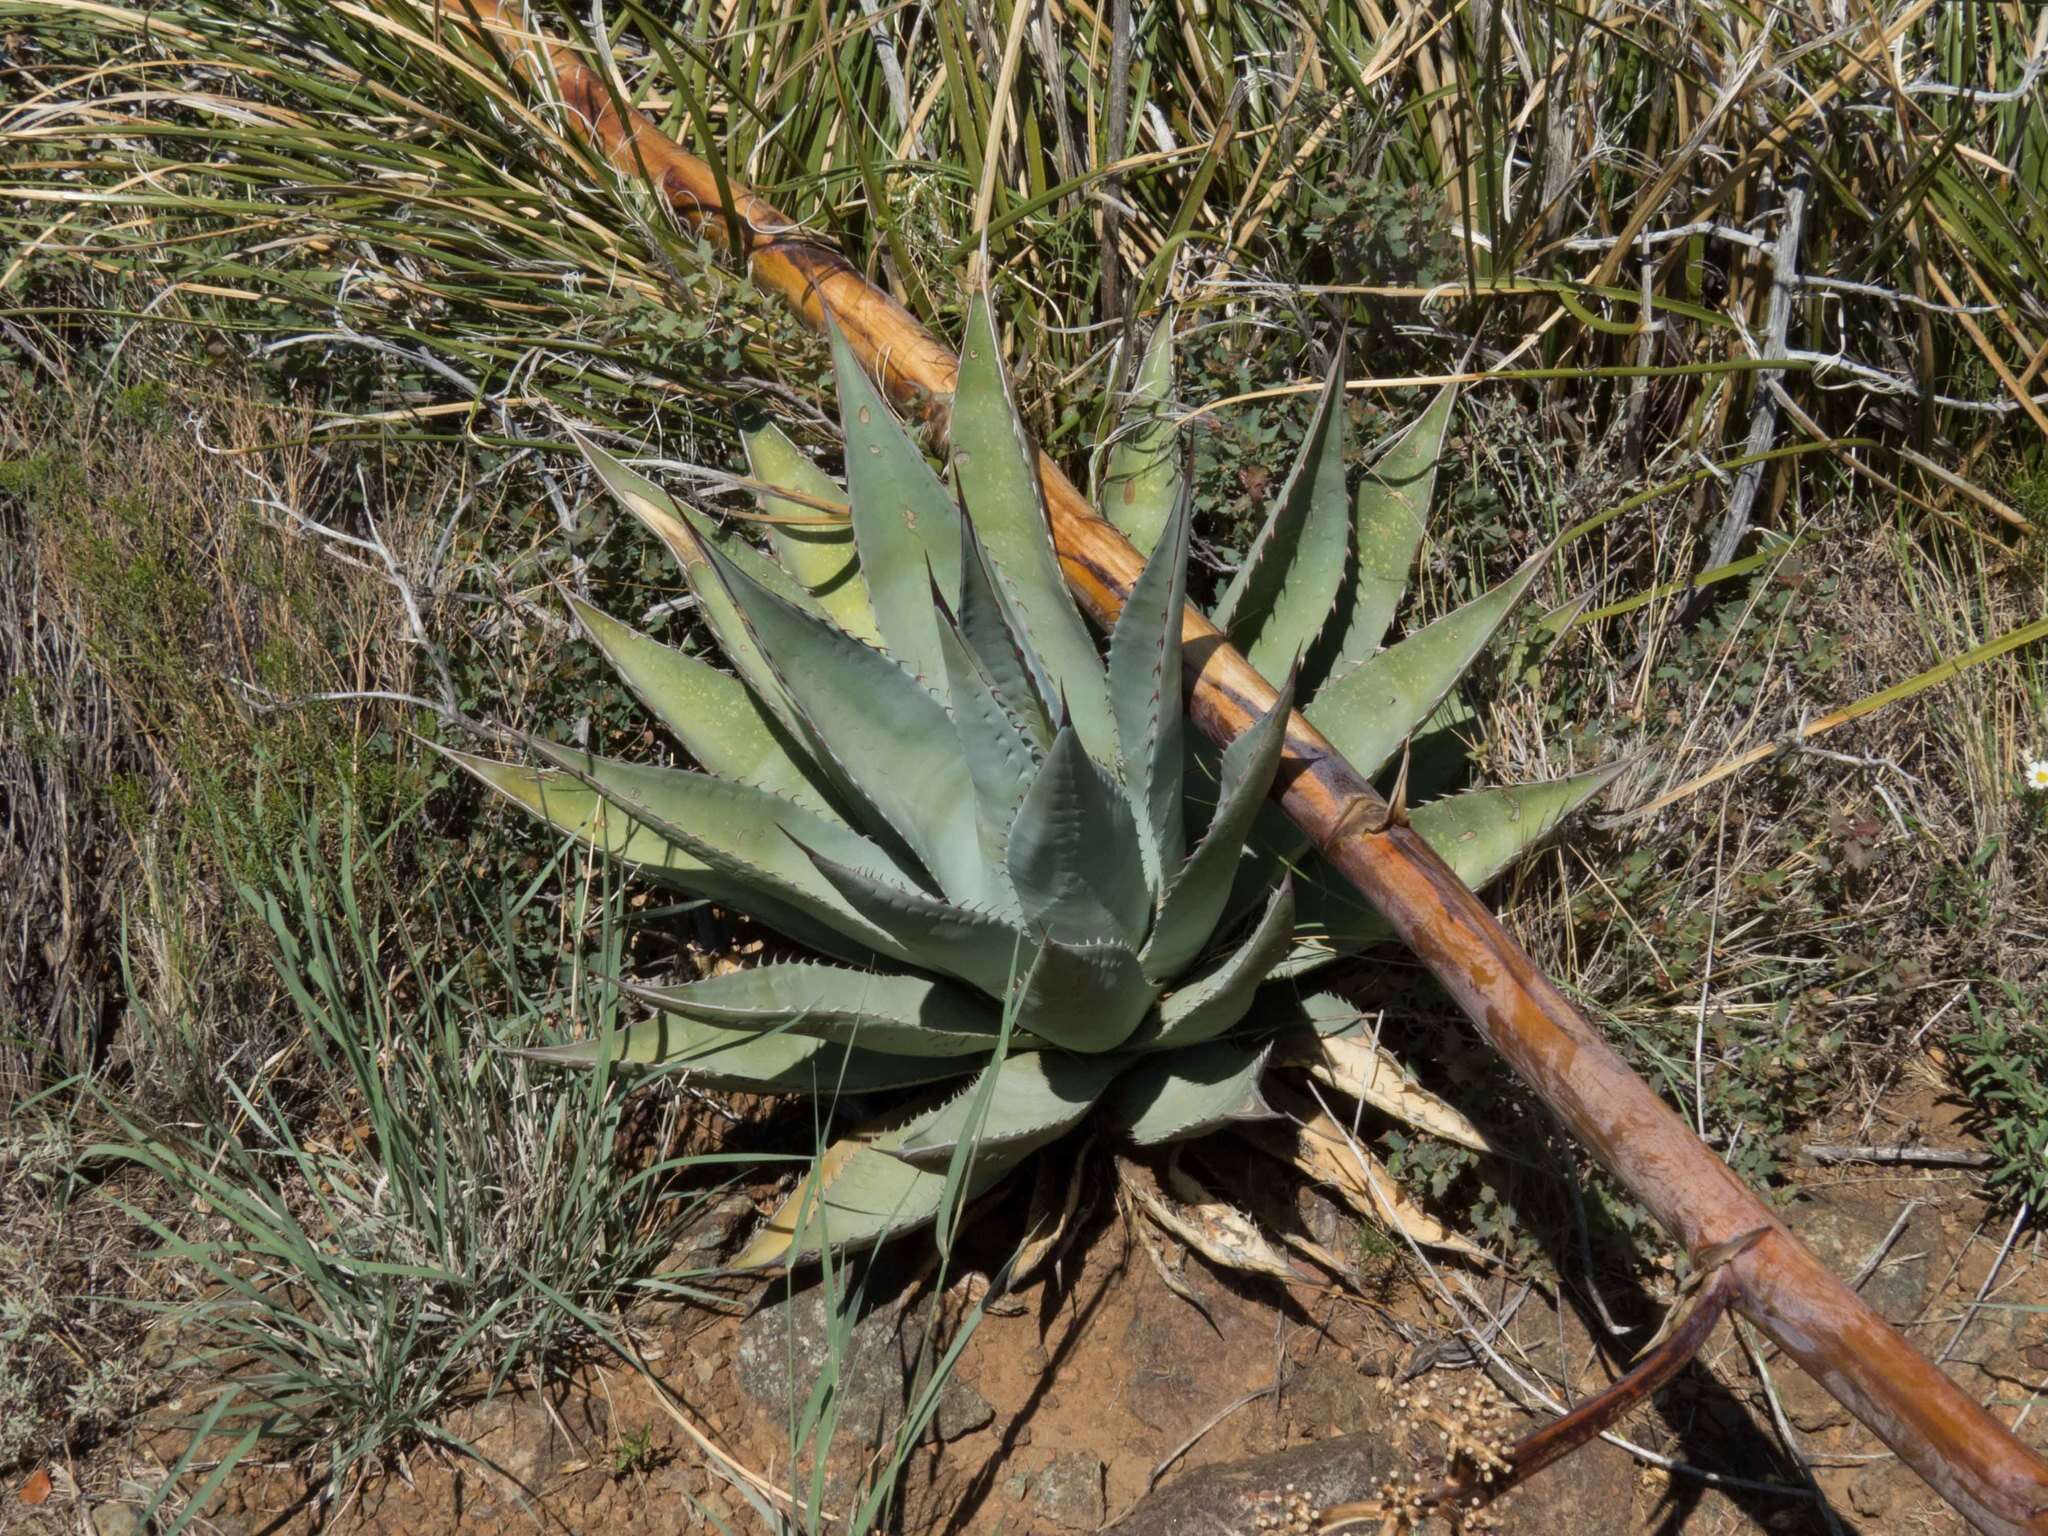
x=1033 y=895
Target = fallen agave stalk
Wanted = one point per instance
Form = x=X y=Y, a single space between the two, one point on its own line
x=1980 y=1467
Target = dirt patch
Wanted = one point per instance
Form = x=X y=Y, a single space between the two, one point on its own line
x=1100 y=1386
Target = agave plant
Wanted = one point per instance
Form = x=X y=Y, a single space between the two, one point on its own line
x=1021 y=877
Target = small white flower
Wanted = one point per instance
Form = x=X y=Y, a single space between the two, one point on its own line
x=2037 y=773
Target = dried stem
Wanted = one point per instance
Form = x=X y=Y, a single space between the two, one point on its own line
x=1481 y=1480
x=1971 y=1458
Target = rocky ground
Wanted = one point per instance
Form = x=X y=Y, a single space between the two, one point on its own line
x=1099 y=1397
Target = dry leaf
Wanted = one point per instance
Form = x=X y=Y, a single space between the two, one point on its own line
x=1359 y=1066
x=1207 y=1225
x=1323 y=1151
x=37 y=1488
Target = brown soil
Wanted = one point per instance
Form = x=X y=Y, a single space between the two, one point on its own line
x=1103 y=1382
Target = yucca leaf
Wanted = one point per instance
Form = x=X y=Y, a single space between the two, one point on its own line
x=879 y=727
x=906 y=524
x=713 y=714
x=1479 y=834
x=1084 y=997
x=1369 y=711
x=809 y=913
x=1218 y=1001
x=976 y=945
x=1281 y=596
x=818 y=554
x=874 y=1010
x=690 y=545
x=1145 y=691
x=988 y=624
x=1177 y=1095
x=1074 y=857
x=1200 y=892
x=996 y=470
x=1036 y=1097
x=1389 y=515
x=750 y=1061
x=1143 y=482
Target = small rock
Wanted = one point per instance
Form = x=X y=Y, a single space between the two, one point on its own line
x=1069 y=1492
x=962 y=1411
x=785 y=1347
x=1870 y=1493
x=116 y=1520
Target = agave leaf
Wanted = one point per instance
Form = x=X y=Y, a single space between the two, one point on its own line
x=1369 y=711
x=810 y=912
x=1145 y=691
x=716 y=817
x=1074 y=856
x=1084 y=997
x=905 y=522
x=1001 y=762
x=1218 y=1001
x=858 y=1192
x=1389 y=516
x=1479 y=834
x=997 y=473
x=750 y=1061
x=977 y=946
x=1339 y=1051
x=682 y=531
x=820 y=555
x=1193 y=903
x=1143 y=483
x=713 y=714
x=989 y=625
x=864 y=1189
x=890 y=738
x=874 y=1010
x=1281 y=596
x=1181 y=1094
x=1036 y=1097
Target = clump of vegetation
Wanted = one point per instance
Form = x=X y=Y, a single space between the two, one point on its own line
x=923 y=766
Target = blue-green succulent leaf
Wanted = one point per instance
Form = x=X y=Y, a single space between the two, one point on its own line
x=1000 y=760
x=1389 y=515
x=805 y=908
x=690 y=540
x=1145 y=690
x=1085 y=997
x=1281 y=597
x=989 y=625
x=978 y=946
x=1370 y=710
x=716 y=717
x=1143 y=482
x=1172 y=1097
x=1479 y=834
x=892 y=741
x=815 y=547
x=905 y=522
x=1217 y=1002
x=1200 y=892
x=874 y=1010
x=996 y=470
x=1036 y=1096
x=750 y=1061
x=1074 y=857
